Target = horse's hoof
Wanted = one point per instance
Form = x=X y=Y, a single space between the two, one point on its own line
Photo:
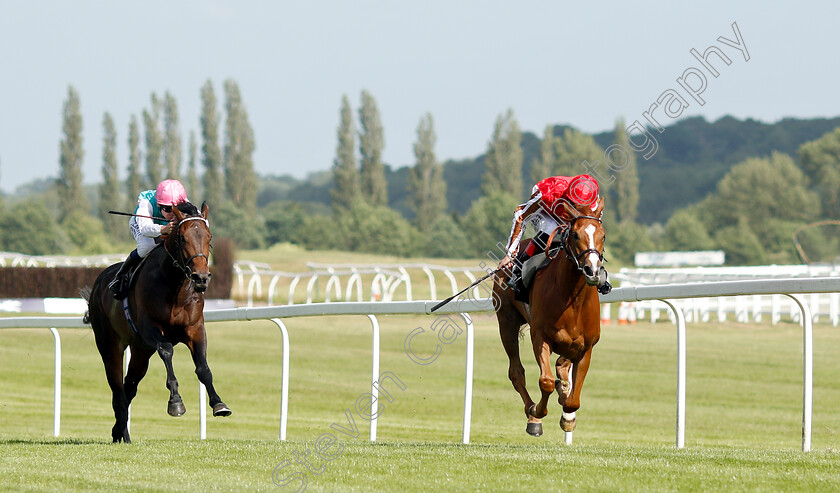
x=221 y=409
x=122 y=438
x=568 y=425
x=176 y=409
x=534 y=429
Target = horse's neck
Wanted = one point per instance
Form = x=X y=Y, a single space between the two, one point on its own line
x=168 y=276
x=570 y=277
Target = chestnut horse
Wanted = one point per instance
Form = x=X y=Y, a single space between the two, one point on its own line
x=166 y=304
x=564 y=316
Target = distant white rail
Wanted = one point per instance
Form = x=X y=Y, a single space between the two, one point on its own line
x=794 y=288
x=374 y=282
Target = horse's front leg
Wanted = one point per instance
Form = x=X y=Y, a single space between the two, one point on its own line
x=542 y=351
x=198 y=348
x=572 y=402
x=176 y=404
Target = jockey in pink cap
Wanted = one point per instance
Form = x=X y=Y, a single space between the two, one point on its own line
x=545 y=210
x=146 y=231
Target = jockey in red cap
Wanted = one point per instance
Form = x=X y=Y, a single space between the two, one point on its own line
x=146 y=231
x=546 y=210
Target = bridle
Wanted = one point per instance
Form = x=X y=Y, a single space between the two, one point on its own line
x=565 y=235
x=181 y=263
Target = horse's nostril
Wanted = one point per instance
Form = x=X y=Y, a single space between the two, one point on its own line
x=587 y=270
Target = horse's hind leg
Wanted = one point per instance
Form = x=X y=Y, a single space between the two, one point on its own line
x=509 y=332
x=198 y=348
x=176 y=404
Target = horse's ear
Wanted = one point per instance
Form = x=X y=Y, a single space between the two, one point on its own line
x=599 y=208
x=204 y=209
x=179 y=216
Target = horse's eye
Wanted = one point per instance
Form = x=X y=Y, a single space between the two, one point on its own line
x=575 y=236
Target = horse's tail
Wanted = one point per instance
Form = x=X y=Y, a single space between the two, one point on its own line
x=85 y=293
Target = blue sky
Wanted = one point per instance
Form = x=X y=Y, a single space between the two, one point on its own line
x=464 y=62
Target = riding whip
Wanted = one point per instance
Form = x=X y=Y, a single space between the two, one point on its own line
x=447 y=300
x=138 y=215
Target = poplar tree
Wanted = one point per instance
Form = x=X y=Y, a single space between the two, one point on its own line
x=572 y=149
x=371 y=141
x=425 y=179
x=503 y=161
x=134 y=180
x=239 y=149
x=154 y=143
x=627 y=177
x=70 y=194
x=211 y=155
x=192 y=175
x=109 y=190
x=543 y=165
x=171 y=137
x=345 y=173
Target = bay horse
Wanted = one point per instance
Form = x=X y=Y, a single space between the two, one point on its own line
x=564 y=317
x=166 y=304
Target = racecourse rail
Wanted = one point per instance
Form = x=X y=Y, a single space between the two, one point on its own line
x=792 y=288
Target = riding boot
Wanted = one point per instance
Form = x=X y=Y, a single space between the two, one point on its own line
x=604 y=286
x=517 y=283
x=118 y=285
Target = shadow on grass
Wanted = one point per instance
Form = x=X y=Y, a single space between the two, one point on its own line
x=47 y=441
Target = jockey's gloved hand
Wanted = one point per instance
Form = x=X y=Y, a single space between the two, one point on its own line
x=604 y=285
x=166 y=229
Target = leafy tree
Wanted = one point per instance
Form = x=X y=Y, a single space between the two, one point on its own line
x=544 y=164
x=87 y=234
x=70 y=193
x=244 y=227
x=487 y=224
x=425 y=179
x=503 y=160
x=318 y=232
x=740 y=245
x=446 y=239
x=211 y=156
x=28 y=227
x=345 y=174
x=109 y=190
x=154 y=143
x=377 y=229
x=171 y=137
x=626 y=177
x=283 y=222
x=134 y=181
x=763 y=192
x=820 y=159
x=240 y=177
x=371 y=141
x=192 y=175
x=685 y=232
x=624 y=240
x=572 y=149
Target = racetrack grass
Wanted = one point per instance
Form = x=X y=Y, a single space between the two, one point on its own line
x=743 y=425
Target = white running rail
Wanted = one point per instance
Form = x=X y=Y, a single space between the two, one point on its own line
x=793 y=288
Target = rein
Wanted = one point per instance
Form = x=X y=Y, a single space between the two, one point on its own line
x=564 y=236
x=184 y=264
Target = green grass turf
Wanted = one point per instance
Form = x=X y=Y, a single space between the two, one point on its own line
x=743 y=424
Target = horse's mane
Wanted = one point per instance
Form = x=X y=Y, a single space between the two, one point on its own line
x=188 y=208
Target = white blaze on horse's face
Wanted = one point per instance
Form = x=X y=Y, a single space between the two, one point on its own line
x=593 y=259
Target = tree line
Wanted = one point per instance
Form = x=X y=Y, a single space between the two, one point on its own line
x=750 y=211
